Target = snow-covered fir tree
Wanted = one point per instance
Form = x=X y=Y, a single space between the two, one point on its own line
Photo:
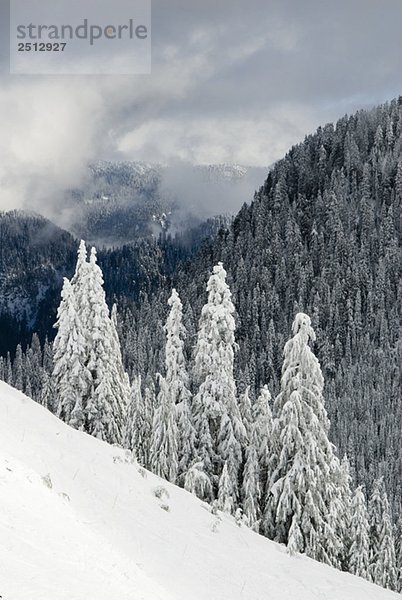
x=251 y=490
x=230 y=450
x=359 y=554
x=386 y=572
x=186 y=439
x=263 y=425
x=47 y=391
x=217 y=419
x=197 y=482
x=225 y=491
x=345 y=520
x=107 y=404
x=375 y=516
x=246 y=411
x=302 y=490
x=295 y=539
x=88 y=373
x=71 y=377
x=137 y=432
x=177 y=381
x=163 y=451
x=383 y=568
x=18 y=375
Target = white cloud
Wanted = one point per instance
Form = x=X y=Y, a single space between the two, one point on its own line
x=48 y=132
x=231 y=82
x=257 y=141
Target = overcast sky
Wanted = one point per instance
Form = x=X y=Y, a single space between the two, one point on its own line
x=235 y=81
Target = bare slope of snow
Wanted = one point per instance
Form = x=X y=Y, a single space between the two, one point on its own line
x=79 y=521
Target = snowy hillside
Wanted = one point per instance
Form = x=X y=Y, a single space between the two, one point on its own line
x=79 y=521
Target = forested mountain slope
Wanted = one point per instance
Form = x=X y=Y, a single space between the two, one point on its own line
x=323 y=237
x=122 y=202
x=35 y=255
x=80 y=519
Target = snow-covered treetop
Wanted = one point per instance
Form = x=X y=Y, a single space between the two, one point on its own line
x=300 y=363
x=216 y=337
x=174 y=299
x=302 y=324
x=81 y=262
x=176 y=373
x=217 y=284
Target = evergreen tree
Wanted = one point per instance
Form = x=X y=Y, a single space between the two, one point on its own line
x=251 y=491
x=34 y=354
x=246 y=411
x=9 y=371
x=88 y=374
x=225 y=492
x=177 y=381
x=47 y=357
x=263 y=425
x=18 y=376
x=386 y=572
x=70 y=375
x=186 y=439
x=345 y=517
x=217 y=418
x=197 y=482
x=382 y=568
x=375 y=516
x=295 y=541
x=136 y=436
x=230 y=451
x=163 y=452
x=359 y=554
x=107 y=404
x=303 y=480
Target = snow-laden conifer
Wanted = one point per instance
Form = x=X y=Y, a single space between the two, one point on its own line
x=251 y=491
x=344 y=514
x=197 y=482
x=88 y=374
x=295 y=541
x=217 y=418
x=107 y=404
x=385 y=572
x=302 y=484
x=47 y=391
x=375 y=516
x=18 y=369
x=71 y=377
x=246 y=411
x=225 y=492
x=383 y=568
x=137 y=431
x=230 y=451
x=359 y=554
x=263 y=425
x=177 y=381
x=163 y=452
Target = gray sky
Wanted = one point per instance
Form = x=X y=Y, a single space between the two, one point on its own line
x=235 y=81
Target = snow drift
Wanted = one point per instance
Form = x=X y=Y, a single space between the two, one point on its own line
x=80 y=521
